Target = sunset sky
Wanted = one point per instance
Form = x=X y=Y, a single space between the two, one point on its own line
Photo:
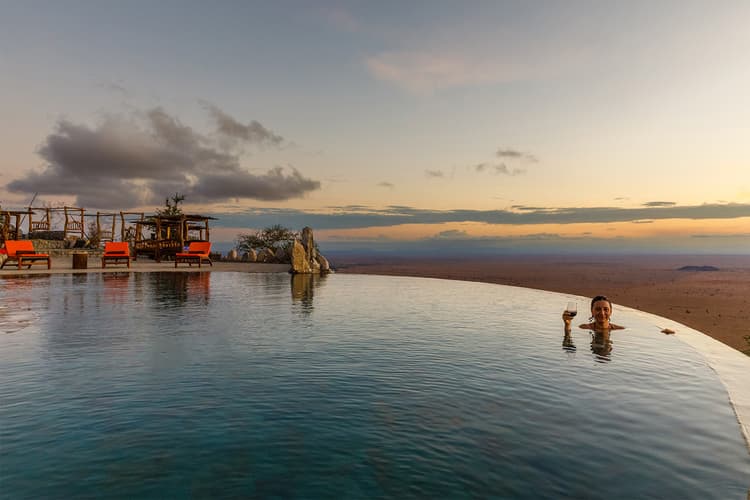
x=519 y=126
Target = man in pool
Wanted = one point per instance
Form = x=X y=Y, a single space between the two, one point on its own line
x=601 y=312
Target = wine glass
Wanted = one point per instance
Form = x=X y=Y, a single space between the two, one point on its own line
x=572 y=309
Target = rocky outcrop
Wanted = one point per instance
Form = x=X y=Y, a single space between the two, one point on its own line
x=266 y=255
x=281 y=255
x=305 y=257
x=300 y=262
x=250 y=256
x=325 y=266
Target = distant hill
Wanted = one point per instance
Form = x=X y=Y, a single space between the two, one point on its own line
x=698 y=268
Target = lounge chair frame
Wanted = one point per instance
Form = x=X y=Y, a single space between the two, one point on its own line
x=198 y=252
x=22 y=252
x=116 y=253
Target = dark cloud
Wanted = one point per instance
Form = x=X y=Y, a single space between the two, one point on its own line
x=525 y=208
x=452 y=234
x=252 y=133
x=642 y=222
x=271 y=186
x=516 y=155
x=501 y=168
x=396 y=215
x=727 y=236
x=659 y=204
x=386 y=185
x=126 y=162
x=434 y=173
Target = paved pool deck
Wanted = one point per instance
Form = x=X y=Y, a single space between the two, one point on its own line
x=64 y=265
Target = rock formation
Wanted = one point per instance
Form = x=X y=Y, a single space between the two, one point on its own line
x=305 y=256
x=250 y=256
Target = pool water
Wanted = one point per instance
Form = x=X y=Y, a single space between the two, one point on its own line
x=229 y=385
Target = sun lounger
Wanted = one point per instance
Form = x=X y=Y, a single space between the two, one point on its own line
x=116 y=253
x=198 y=251
x=22 y=252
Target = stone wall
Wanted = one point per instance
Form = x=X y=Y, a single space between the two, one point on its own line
x=58 y=248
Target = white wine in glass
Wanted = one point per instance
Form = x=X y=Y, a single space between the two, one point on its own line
x=572 y=309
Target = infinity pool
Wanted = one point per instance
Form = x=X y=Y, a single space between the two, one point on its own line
x=224 y=385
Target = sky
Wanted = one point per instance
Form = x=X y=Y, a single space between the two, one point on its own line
x=399 y=126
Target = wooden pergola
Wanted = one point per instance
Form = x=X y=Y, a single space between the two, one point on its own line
x=9 y=231
x=169 y=234
x=74 y=220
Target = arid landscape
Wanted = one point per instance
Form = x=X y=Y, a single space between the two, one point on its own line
x=715 y=302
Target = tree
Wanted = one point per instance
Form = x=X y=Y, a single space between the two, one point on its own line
x=171 y=206
x=272 y=237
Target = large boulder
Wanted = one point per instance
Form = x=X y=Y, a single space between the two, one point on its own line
x=250 y=256
x=300 y=264
x=325 y=266
x=281 y=255
x=305 y=256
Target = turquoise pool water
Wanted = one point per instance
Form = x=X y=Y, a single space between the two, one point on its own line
x=177 y=385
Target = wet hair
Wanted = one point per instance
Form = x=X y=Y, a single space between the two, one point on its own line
x=598 y=298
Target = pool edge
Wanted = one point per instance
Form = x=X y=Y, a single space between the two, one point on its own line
x=731 y=366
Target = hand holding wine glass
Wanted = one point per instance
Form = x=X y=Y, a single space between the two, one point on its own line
x=570 y=311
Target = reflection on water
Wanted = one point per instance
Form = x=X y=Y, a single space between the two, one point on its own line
x=568 y=344
x=177 y=289
x=601 y=346
x=303 y=289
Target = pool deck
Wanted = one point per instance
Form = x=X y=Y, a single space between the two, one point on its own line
x=64 y=265
x=731 y=366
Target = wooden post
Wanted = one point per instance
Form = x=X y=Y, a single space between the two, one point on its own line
x=18 y=227
x=157 y=250
x=183 y=232
x=5 y=226
x=65 y=227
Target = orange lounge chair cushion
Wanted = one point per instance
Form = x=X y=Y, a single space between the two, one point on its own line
x=116 y=249
x=22 y=248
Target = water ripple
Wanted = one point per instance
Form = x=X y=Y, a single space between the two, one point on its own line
x=235 y=385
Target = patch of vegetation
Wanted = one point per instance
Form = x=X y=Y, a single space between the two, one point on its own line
x=698 y=268
x=272 y=237
x=171 y=206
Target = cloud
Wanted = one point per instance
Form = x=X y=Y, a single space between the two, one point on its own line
x=342 y=19
x=729 y=236
x=126 y=162
x=516 y=155
x=427 y=70
x=502 y=168
x=434 y=173
x=359 y=217
x=659 y=204
x=452 y=234
x=386 y=185
x=253 y=133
